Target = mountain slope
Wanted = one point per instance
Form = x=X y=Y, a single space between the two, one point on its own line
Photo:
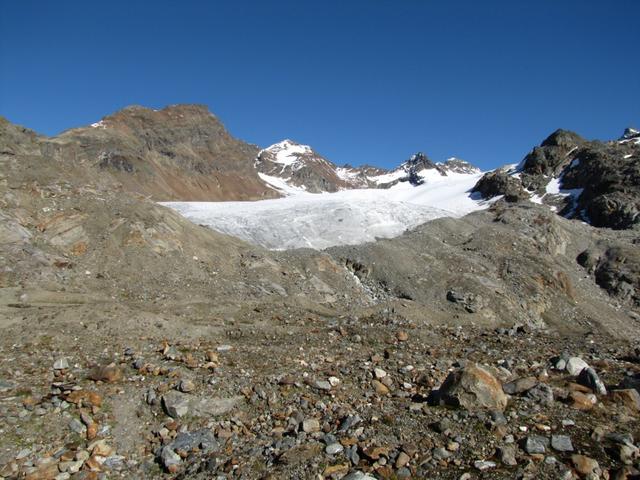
x=598 y=182
x=180 y=152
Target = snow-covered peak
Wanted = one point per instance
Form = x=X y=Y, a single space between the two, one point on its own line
x=630 y=135
x=286 y=153
x=457 y=165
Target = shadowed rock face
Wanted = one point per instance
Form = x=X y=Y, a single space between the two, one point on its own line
x=604 y=176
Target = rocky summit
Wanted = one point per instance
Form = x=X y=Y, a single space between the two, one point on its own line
x=497 y=344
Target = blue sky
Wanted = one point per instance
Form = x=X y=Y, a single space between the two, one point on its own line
x=362 y=81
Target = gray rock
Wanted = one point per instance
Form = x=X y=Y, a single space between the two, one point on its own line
x=349 y=422
x=333 y=449
x=6 y=386
x=483 y=465
x=358 y=476
x=175 y=404
x=520 y=385
x=508 y=455
x=441 y=453
x=535 y=444
x=561 y=443
x=541 y=393
x=589 y=378
x=77 y=426
x=61 y=364
x=211 y=407
x=322 y=385
x=575 y=365
x=310 y=425
x=203 y=439
x=169 y=458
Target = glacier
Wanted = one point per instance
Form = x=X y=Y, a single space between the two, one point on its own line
x=348 y=217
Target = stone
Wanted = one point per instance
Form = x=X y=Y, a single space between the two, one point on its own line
x=507 y=455
x=520 y=385
x=483 y=465
x=575 y=365
x=333 y=448
x=202 y=439
x=379 y=373
x=628 y=397
x=211 y=407
x=358 y=476
x=61 y=364
x=472 y=388
x=541 y=393
x=589 y=378
x=402 y=460
x=585 y=465
x=85 y=398
x=170 y=459
x=582 y=401
x=561 y=443
x=311 y=425
x=108 y=373
x=175 y=404
x=402 y=336
x=628 y=454
x=187 y=386
x=535 y=444
x=322 y=385
x=77 y=426
x=380 y=388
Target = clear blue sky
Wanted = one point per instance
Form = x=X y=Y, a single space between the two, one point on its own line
x=362 y=81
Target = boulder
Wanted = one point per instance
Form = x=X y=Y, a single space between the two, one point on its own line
x=472 y=388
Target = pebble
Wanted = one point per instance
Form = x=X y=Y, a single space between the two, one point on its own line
x=310 y=425
x=402 y=336
x=170 y=459
x=379 y=373
x=380 y=388
x=535 y=444
x=61 y=364
x=333 y=449
x=561 y=443
x=187 y=386
x=483 y=465
x=322 y=385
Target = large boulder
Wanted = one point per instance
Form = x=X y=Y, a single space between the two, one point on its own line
x=472 y=388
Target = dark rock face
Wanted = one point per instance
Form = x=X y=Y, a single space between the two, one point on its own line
x=618 y=272
x=500 y=182
x=604 y=178
x=609 y=175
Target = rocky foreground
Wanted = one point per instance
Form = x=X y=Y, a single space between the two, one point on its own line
x=290 y=395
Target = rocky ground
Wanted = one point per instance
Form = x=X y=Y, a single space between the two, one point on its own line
x=278 y=393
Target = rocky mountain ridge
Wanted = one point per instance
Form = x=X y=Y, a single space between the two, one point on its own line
x=598 y=182
x=183 y=152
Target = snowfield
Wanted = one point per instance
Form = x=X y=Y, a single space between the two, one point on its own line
x=347 y=217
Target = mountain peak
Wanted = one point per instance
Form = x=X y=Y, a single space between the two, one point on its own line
x=630 y=134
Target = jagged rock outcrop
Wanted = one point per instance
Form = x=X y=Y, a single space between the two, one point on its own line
x=595 y=181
